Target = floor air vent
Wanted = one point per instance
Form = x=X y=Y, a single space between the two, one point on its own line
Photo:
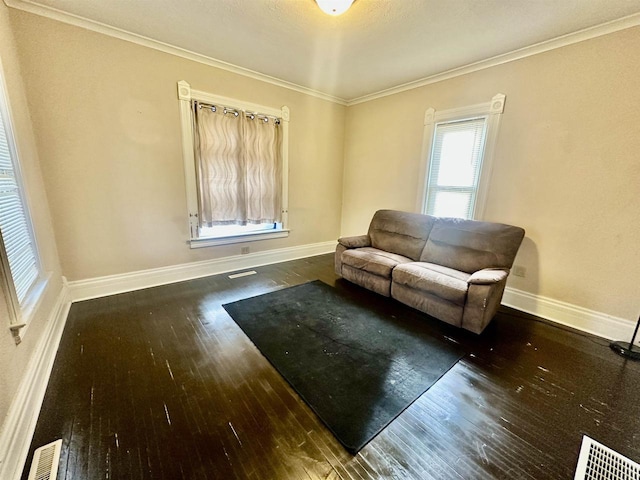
x=45 y=462
x=597 y=462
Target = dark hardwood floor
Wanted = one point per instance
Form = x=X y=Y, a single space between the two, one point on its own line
x=162 y=384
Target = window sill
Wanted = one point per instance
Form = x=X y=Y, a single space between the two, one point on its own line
x=245 y=237
x=32 y=303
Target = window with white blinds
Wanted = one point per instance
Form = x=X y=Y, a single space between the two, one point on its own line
x=454 y=169
x=20 y=254
x=457 y=159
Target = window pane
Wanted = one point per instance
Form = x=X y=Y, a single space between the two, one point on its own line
x=457 y=159
x=454 y=168
x=452 y=204
x=231 y=230
x=18 y=243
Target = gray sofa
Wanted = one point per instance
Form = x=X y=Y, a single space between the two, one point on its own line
x=452 y=269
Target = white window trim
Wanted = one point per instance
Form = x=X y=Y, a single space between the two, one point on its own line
x=245 y=237
x=185 y=95
x=493 y=112
x=30 y=306
x=19 y=315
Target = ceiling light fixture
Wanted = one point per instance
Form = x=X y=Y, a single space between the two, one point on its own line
x=334 y=7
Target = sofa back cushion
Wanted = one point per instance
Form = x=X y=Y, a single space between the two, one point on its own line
x=469 y=245
x=403 y=233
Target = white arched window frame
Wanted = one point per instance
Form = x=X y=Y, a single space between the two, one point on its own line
x=492 y=113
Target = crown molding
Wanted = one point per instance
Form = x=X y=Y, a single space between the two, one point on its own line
x=588 y=33
x=558 y=42
x=92 y=25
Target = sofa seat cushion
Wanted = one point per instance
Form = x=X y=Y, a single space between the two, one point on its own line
x=444 y=282
x=373 y=260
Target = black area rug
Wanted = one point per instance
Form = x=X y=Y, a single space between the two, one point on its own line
x=358 y=366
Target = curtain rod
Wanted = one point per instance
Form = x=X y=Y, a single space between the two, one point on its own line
x=236 y=111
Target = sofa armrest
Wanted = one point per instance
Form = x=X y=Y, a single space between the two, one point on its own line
x=358 y=241
x=483 y=301
x=488 y=276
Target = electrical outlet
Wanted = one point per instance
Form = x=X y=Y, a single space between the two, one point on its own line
x=244 y=250
x=519 y=271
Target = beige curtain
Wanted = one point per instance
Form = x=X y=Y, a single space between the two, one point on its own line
x=239 y=167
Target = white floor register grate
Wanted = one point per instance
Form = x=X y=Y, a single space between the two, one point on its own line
x=597 y=462
x=45 y=462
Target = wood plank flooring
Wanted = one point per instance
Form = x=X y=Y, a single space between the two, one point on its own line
x=162 y=384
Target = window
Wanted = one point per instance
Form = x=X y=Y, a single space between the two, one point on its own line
x=235 y=155
x=458 y=149
x=454 y=170
x=19 y=255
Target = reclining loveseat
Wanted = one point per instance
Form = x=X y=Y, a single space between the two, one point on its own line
x=452 y=269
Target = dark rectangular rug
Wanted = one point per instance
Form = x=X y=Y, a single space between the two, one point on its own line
x=357 y=366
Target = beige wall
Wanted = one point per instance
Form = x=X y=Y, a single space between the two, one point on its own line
x=566 y=168
x=14 y=358
x=107 y=122
x=99 y=118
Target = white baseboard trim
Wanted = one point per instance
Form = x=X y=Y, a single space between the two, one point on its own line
x=20 y=422
x=580 y=318
x=590 y=321
x=127 y=282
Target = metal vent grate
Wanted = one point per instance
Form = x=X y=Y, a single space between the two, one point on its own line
x=597 y=462
x=45 y=462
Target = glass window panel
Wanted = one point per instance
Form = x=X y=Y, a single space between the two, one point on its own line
x=457 y=159
x=232 y=230
x=454 y=168
x=452 y=204
x=18 y=244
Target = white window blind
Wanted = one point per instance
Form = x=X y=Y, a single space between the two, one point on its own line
x=454 y=170
x=14 y=225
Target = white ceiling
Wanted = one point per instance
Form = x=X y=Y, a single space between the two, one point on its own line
x=376 y=45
